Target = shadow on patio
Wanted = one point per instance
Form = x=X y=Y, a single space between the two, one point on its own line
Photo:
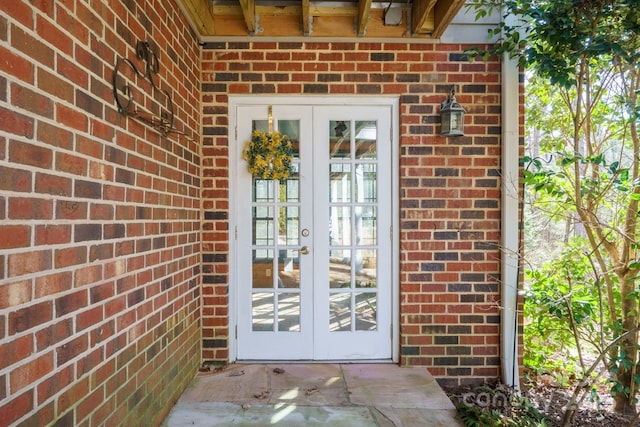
x=353 y=395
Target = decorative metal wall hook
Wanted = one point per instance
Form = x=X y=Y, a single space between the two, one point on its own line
x=123 y=92
x=452 y=93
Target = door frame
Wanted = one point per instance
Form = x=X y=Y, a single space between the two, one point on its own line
x=236 y=163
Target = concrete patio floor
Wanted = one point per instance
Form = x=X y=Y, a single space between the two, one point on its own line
x=328 y=395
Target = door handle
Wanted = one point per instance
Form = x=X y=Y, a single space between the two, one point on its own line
x=304 y=250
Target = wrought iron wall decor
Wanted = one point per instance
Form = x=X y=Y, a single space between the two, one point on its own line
x=160 y=114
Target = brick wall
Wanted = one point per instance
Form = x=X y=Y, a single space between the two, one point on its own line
x=99 y=217
x=450 y=188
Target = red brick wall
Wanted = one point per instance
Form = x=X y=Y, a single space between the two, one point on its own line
x=450 y=187
x=99 y=217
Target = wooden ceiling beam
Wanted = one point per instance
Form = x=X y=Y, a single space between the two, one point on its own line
x=444 y=12
x=420 y=11
x=249 y=12
x=306 y=18
x=364 y=9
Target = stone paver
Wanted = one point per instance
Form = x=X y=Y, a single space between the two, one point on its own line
x=390 y=385
x=310 y=395
x=308 y=385
x=236 y=384
x=218 y=414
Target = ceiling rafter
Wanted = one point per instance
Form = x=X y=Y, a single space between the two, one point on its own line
x=249 y=12
x=420 y=11
x=445 y=11
x=364 y=9
x=306 y=18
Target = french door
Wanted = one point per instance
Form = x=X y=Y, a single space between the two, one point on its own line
x=314 y=251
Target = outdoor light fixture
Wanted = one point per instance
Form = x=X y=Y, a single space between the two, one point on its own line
x=451 y=116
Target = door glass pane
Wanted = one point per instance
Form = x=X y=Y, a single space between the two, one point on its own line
x=340 y=139
x=365 y=264
x=289 y=270
x=262 y=268
x=340 y=183
x=288 y=225
x=262 y=312
x=366 y=311
x=289 y=312
x=262 y=125
x=339 y=225
x=340 y=268
x=291 y=128
x=263 y=225
x=290 y=189
x=366 y=137
x=295 y=170
x=365 y=225
x=263 y=190
x=366 y=183
x=340 y=312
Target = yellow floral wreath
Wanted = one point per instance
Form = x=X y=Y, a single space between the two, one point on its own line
x=268 y=155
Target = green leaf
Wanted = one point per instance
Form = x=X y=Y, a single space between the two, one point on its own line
x=624 y=174
x=613 y=167
x=567 y=161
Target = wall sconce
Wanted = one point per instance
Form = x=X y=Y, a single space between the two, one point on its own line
x=451 y=116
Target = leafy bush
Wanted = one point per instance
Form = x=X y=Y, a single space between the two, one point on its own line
x=565 y=310
x=499 y=406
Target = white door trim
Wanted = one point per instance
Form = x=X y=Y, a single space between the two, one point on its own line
x=235 y=163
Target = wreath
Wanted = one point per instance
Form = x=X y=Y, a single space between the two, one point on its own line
x=268 y=155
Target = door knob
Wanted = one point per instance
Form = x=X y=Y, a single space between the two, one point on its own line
x=304 y=250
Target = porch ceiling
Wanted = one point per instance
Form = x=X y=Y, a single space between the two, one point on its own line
x=330 y=18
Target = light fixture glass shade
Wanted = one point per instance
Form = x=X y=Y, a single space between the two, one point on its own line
x=451 y=117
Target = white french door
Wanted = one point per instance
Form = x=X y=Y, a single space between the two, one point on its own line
x=314 y=257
